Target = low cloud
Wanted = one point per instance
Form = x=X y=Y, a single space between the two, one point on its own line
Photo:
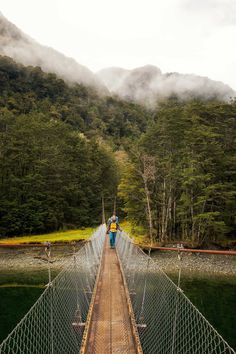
x=149 y=85
x=23 y=49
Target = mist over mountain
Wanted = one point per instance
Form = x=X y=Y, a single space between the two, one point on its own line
x=149 y=85
x=146 y=85
x=23 y=49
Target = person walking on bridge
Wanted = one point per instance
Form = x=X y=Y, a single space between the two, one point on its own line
x=113 y=227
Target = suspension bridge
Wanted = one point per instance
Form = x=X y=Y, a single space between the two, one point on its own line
x=109 y=301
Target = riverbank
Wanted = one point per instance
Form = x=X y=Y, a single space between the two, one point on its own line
x=223 y=265
x=34 y=258
x=28 y=259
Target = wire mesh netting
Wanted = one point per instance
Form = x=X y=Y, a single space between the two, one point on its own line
x=55 y=324
x=167 y=322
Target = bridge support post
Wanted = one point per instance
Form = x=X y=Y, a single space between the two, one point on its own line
x=51 y=294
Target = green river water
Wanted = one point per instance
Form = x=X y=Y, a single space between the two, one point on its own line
x=214 y=296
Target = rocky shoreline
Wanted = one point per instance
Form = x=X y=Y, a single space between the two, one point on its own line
x=196 y=263
x=35 y=259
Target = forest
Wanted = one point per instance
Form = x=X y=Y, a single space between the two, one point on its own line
x=63 y=148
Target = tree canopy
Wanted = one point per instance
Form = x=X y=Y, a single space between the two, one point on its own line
x=184 y=164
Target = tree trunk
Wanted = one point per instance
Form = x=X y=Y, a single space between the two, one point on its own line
x=163 y=211
x=192 y=218
x=200 y=223
x=174 y=219
x=149 y=213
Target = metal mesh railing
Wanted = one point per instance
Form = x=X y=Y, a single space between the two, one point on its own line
x=167 y=322
x=55 y=323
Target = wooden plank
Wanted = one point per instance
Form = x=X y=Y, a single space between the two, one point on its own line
x=110 y=330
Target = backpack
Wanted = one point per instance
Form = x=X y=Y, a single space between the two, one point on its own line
x=113 y=227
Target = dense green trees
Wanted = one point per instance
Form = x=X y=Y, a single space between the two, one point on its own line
x=29 y=89
x=51 y=176
x=182 y=169
x=54 y=163
x=178 y=172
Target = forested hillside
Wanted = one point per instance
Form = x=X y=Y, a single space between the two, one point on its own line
x=54 y=162
x=57 y=158
x=182 y=172
x=29 y=89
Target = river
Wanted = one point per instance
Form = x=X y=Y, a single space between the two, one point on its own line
x=215 y=297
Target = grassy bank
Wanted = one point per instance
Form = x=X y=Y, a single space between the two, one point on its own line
x=137 y=233
x=64 y=236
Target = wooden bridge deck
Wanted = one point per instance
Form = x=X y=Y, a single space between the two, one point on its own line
x=110 y=329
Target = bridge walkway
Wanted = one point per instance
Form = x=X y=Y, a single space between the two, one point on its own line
x=110 y=327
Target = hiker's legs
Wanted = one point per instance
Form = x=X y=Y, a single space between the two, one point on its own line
x=114 y=239
x=111 y=239
x=110 y=236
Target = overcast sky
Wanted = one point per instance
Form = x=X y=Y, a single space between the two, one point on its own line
x=188 y=36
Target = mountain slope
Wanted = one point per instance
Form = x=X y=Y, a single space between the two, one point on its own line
x=148 y=85
x=145 y=85
x=17 y=45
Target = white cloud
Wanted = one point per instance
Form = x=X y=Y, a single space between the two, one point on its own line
x=220 y=12
x=190 y=36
